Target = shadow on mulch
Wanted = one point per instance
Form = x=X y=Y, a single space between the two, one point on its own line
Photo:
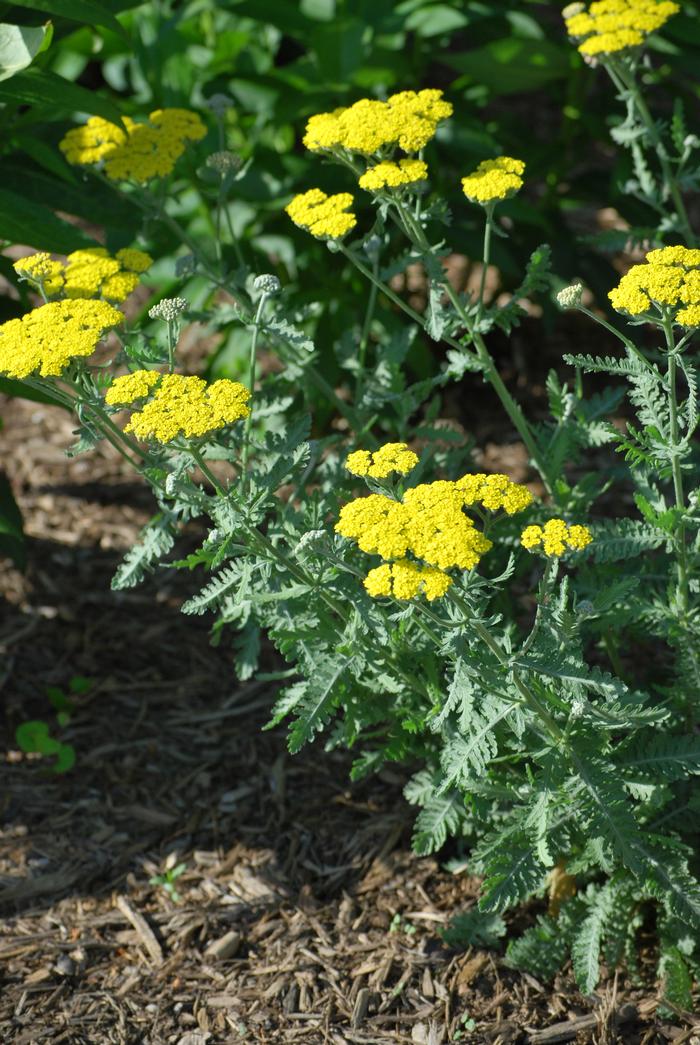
x=301 y=914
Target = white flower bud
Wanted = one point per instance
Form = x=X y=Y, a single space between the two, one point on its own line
x=213 y=536
x=224 y=162
x=168 y=309
x=570 y=297
x=219 y=104
x=170 y=484
x=267 y=284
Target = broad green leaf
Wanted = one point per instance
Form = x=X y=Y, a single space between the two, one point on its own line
x=9 y=386
x=35 y=224
x=19 y=44
x=42 y=88
x=89 y=12
x=510 y=65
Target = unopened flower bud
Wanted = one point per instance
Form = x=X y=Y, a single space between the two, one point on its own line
x=224 y=162
x=570 y=297
x=170 y=484
x=168 y=309
x=219 y=104
x=585 y=608
x=267 y=284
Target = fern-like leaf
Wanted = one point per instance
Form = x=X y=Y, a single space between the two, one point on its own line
x=155 y=540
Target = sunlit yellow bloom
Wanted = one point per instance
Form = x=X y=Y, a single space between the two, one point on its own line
x=130 y=387
x=140 y=151
x=408 y=120
x=46 y=340
x=668 y=279
x=556 y=538
x=390 y=175
x=187 y=406
x=324 y=216
x=613 y=26
x=494 y=492
x=494 y=180
x=429 y=522
x=405 y=579
x=42 y=270
x=392 y=457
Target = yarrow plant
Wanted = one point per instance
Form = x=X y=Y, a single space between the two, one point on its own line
x=502 y=637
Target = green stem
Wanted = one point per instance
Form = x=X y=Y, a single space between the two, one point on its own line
x=206 y=470
x=630 y=81
x=672 y=379
x=490 y=369
x=366 y=326
x=485 y=260
x=252 y=360
x=529 y=697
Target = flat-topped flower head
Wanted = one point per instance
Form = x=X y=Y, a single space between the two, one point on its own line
x=393 y=175
x=47 y=339
x=392 y=457
x=138 y=152
x=88 y=273
x=326 y=217
x=405 y=580
x=613 y=27
x=185 y=406
x=555 y=538
x=41 y=270
x=429 y=523
x=130 y=387
x=495 y=492
x=667 y=281
x=407 y=120
x=494 y=180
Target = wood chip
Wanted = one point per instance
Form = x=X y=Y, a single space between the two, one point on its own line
x=143 y=929
x=567 y=1030
x=225 y=947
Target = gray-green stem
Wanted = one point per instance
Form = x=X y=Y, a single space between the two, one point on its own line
x=672 y=375
x=252 y=361
x=629 y=79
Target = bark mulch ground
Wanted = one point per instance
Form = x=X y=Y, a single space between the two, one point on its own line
x=301 y=914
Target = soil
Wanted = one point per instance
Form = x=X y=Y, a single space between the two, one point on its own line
x=301 y=913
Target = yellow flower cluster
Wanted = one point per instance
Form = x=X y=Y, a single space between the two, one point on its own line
x=392 y=457
x=494 y=180
x=43 y=270
x=139 y=152
x=669 y=278
x=87 y=273
x=405 y=579
x=494 y=492
x=180 y=405
x=556 y=537
x=611 y=26
x=324 y=216
x=130 y=387
x=390 y=175
x=408 y=120
x=49 y=337
x=428 y=523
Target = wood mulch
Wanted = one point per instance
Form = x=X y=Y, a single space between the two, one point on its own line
x=302 y=915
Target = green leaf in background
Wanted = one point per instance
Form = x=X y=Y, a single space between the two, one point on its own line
x=35 y=225
x=19 y=44
x=88 y=12
x=39 y=87
x=511 y=65
x=11 y=533
x=19 y=390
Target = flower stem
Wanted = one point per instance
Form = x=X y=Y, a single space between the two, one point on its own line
x=672 y=375
x=252 y=360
